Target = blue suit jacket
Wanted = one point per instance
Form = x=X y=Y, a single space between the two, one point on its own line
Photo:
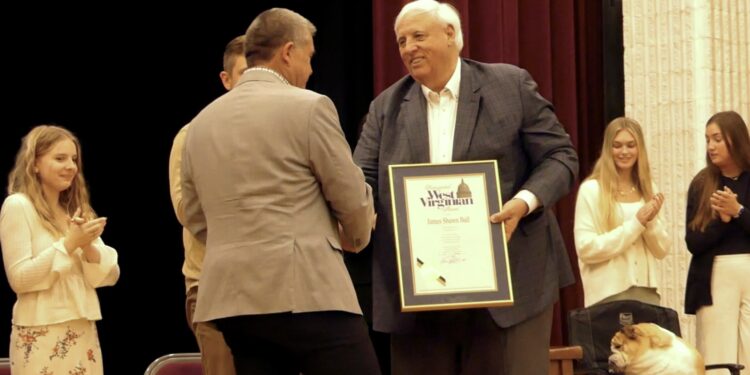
x=500 y=116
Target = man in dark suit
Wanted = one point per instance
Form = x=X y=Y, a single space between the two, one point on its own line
x=453 y=109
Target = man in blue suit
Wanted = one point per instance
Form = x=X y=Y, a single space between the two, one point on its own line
x=452 y=109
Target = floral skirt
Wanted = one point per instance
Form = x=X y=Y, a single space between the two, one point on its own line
x=65 y=348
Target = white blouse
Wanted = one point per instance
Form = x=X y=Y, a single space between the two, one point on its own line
x=612 y=261
x=51 y=285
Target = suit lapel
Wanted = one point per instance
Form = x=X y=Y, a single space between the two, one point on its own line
x=466 y=117
x=413 y=118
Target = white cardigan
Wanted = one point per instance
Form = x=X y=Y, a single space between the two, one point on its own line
x=605 y=258
x=51 y=285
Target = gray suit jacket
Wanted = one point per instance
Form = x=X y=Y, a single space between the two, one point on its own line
x=500 y=116
x=267 y=175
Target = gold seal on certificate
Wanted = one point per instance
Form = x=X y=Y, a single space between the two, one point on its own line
x=449 y=254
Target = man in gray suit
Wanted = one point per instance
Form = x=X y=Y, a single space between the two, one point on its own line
x=452 y=109
x=267 y=178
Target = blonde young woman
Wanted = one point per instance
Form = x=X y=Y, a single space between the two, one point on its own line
x=54 y=258
x=619 y=235
x=718 y=236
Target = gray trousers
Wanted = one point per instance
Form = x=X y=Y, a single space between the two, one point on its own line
x=469 y=342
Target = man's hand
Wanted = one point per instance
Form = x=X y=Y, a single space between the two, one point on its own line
x=512 y=212
x=345 y=244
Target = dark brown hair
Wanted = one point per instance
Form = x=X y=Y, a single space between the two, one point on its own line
x=235 y=47
x=735 y=134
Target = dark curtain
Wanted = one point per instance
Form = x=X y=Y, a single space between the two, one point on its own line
x=559 y=43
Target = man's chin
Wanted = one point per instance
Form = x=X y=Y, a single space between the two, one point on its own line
x=420 y=75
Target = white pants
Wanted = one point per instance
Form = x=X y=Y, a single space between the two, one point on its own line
x=723 y=329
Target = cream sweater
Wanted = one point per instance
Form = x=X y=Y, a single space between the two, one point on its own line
x=611 y=261
x=195 y=251
x=51 y=286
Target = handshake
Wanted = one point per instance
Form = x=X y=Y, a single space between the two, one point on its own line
x=345 y=244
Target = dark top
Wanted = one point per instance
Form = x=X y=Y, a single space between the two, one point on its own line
x=719 y=238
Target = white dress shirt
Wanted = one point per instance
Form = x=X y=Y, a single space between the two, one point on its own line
x=442 y=108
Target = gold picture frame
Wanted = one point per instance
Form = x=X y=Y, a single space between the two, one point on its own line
x=448 y=253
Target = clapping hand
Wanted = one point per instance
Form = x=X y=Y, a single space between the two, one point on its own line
x=724 y=202
x=82 y=232
x=649 y=210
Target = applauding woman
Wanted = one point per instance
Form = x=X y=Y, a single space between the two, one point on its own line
x=618 y=232
x=54 y=258
x=718 y=236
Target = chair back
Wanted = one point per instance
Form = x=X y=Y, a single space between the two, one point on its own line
x=176 y=364
x=4 y=366
x=593 y=327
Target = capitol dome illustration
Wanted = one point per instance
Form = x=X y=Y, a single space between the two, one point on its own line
x=463 y=190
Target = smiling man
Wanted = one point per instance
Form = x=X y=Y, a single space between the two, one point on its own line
x=452 y=109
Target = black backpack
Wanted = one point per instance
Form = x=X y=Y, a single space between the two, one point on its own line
x=593 y=327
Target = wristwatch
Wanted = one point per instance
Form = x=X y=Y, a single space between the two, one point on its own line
x=739 y=212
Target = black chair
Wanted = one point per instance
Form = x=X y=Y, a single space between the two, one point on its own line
x=592 y=328
x=176 y=364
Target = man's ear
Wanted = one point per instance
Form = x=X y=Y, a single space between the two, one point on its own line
x=286 y=52
x=224 y=76
x=451 y=32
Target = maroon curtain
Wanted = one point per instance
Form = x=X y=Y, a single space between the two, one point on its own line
x=559 y=43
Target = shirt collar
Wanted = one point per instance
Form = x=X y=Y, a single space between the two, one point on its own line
x=268 y=70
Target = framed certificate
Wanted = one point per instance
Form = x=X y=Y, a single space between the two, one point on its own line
x=449 y=254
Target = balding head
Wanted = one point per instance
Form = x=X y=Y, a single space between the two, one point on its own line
x=271 y=30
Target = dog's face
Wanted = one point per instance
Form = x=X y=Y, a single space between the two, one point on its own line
x=627 y=344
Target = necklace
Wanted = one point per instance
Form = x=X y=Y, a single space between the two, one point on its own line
x=269 y=70
x=627 y=191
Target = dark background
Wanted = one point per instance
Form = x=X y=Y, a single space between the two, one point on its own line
x=125 y=80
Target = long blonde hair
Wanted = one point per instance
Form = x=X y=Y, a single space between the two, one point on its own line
x=735 y=135
x=24 y=179
x=605 y=171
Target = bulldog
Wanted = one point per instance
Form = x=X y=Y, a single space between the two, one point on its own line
x=647 y=349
